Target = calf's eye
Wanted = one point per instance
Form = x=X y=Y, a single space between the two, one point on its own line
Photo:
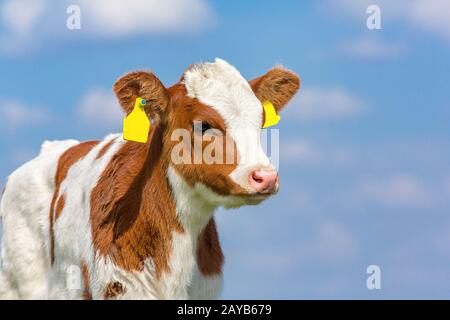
x=205 y=127
x=201 y=127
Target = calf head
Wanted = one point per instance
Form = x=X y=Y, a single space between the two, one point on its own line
x=211 y=122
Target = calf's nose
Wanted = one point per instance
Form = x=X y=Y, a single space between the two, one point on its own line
x=264 y=180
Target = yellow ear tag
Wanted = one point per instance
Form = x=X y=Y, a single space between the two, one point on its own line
x=136 y=125
x=271 y=116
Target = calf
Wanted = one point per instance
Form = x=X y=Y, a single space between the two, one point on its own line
x=116 y=219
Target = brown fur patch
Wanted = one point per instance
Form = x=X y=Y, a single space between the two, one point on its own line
x=86 y=295
x=113 y=289
x=132 y=211
x=60 y=205
x=216 y=176
x=105 y=148
x=67 y=159
x=278 y=86
x=209 y=253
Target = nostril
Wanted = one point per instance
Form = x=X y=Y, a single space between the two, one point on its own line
x=256 y=177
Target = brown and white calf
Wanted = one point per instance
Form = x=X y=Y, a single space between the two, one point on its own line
x=125 y=217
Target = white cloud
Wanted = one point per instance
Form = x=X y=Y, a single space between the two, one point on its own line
x=118 y=18
x=15 y=114
x=304 y=152
x=331 y=242
x=326 y=104
x=370 y=48
x=299 y=150
x=100 y=108
x=432 y=16
x=29 y=23
x=397 y=190
x=20 y=16
x=19 y=19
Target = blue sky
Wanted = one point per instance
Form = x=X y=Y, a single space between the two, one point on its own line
x=364 y=155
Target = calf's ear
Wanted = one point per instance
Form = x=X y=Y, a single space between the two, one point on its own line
x=278 y=86
x=145 y=85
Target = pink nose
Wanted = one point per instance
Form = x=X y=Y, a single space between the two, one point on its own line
x=264 y=180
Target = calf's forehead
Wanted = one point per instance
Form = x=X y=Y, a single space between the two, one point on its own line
x=220 y=86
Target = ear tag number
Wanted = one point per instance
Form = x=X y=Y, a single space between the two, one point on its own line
x=271 y=116
x=136 y=125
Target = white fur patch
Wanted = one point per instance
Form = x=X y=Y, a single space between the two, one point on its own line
x=194 y=212
x=25 y=208
x=223 y=88
x=72 y=230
